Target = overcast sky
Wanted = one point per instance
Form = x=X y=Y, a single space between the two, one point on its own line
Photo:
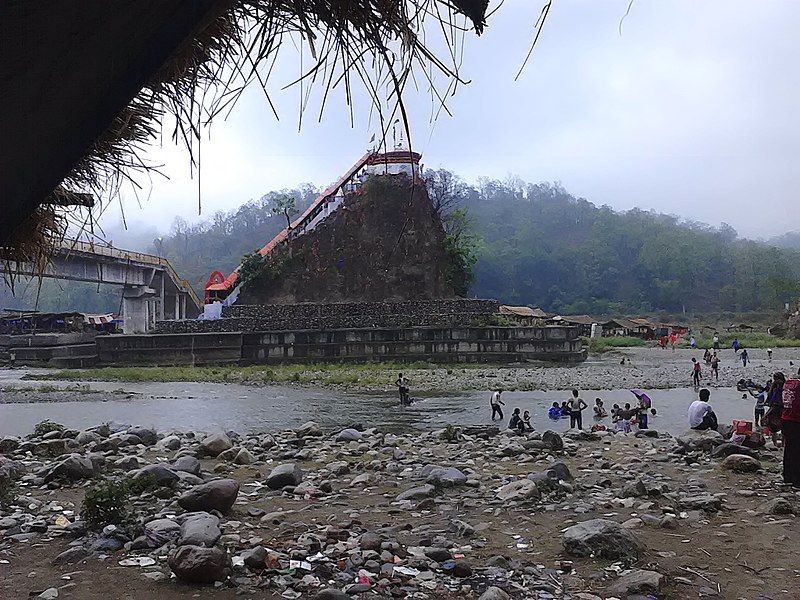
x=693 y=111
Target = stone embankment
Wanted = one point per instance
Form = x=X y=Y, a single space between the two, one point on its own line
x=359 y=513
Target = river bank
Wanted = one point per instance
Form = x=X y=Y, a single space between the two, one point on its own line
x=645 y=368
x=453 y=513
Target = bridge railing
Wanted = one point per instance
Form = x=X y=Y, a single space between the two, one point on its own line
x=132 y=256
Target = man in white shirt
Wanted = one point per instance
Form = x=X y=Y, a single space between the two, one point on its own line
x=701 y=415
x=495 y=403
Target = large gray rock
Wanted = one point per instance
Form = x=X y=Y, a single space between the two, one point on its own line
x=244 y=457
x=215 y=443
x=727 y=448
x=494 y=593
x=284 y=475
x=349 y=435
x=417 y=493
x=159 y=473
x=444 y=476
x=195 y=564
x=88 y=437
x=74 y=467
x=214 y=495
x=199 y=529
x=601 y=538
x=171 y=442
x=255 y=557
x=309 y=429
x=741 y=463
x=147 y=435
x=700 y=440
x=637 y=582
x=187 y=464
x=552 y=440
x=8 y=445
x=161 y=531
x=10 y=470
x=521 y=489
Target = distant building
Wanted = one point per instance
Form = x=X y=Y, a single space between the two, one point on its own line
x=619 y=326
x=524 y=315
x=397 y=162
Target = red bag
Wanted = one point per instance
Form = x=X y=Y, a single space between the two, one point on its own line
x=791 y=400
x=742 y=427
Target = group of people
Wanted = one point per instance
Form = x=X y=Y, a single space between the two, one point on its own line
x=518 y=422
x=777 y=410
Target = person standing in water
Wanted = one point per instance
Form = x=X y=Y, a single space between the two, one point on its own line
x=576 y=406
x=745 y=357
x=495 y=403
x=769 y=354
x=402 y=388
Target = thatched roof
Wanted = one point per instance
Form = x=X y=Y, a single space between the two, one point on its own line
x=86 y=82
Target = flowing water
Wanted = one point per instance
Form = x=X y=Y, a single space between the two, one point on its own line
x=215 y=406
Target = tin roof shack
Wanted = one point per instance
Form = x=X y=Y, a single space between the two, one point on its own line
x=644 y=328
x=583 y=321
x=37 y=322
x=524 y=315
x=618 y=327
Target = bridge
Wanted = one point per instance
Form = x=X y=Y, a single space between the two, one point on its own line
x=151 y=289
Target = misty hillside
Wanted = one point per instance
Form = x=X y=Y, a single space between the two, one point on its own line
x=539 y=245
x=787 y=240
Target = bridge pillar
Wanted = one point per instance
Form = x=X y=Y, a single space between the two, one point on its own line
x=138 y=308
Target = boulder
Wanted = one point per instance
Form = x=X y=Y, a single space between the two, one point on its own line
x=72 y=555
x=494 y=593
x=10 y=470
x=244 y=457
x=780 y=506
x=255 y=557
x=215 y=443
x=558 y=470
x=349 y=435
x=146 y=435
x=195 y=564
x=159 y=473
x=161 y=531
x=741 y=463
x=637 y=582
x=309 y=429
x=521 y=489
x=446 y=477
x=602 y=538
x=171 y=442
x=283 y=475
x=700 y=440
x=219 y=495
x=88 y=437
x=199 y=529
x=74 y=467
x=8 y=445
x=187 y=464
x=726 y=449
x=552 y=440
x=417 y=493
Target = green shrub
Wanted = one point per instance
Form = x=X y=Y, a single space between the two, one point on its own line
x=106 y=504
x=604 y=344
x=46 y=426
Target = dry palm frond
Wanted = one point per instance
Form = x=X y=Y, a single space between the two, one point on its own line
x=379 y=42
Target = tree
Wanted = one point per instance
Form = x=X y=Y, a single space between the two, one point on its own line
x=445 y=190
x=286 y=204
x=461 y=247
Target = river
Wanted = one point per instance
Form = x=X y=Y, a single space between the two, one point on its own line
x=223 y=406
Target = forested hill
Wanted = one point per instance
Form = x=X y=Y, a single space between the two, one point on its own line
x=542 y=246
x=537 y=245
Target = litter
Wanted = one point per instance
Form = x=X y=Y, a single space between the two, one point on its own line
x=139 y=561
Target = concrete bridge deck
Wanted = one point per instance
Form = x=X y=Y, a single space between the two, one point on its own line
x=152 y=290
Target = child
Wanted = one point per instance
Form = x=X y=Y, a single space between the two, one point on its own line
x=554 y=412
